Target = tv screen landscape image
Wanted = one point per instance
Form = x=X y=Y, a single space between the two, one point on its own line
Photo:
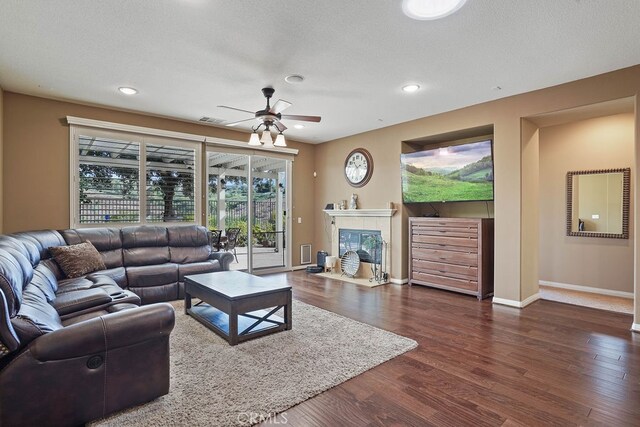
x=458 y=173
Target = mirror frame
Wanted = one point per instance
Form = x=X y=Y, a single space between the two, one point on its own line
x=626 y=182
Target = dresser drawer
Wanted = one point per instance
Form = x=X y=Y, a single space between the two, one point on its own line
x=449 y=257
x=449 y=282
x=443 y=247
x=445 y=223
x=445 y=231
x=450 y=270
x=466 y=242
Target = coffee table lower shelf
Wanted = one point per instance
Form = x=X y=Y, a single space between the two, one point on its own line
x=251 y=325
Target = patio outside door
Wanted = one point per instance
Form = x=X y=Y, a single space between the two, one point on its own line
x=257 y=211
x=269 y=212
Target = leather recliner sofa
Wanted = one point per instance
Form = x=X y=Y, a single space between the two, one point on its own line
x=77 y=349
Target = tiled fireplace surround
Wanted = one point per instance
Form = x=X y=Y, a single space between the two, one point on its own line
x=362 y=219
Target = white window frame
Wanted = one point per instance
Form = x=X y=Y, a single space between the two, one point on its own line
x=91 y=127
x=142 y=140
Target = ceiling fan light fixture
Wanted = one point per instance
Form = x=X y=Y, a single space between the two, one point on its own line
x=266 y=139
x=425 y=10
x=280 y=141
x=254 y=140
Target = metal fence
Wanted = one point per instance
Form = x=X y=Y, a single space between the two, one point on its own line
x=264 y=212
x=103 y=209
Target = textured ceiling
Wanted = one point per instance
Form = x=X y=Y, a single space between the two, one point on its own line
x=188 y=56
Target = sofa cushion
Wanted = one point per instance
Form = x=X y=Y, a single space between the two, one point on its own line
x=25 y=247
x=187 y=236
x=108 y=241
x=153 y=294
x=188 y=255
x=71 y=302
x=197 y=268
x=152 y=275
x=45 y=280
x=75 y=284
x=78 y=260
x=15 y=273
x=36 y=316
x=119 y=275
x=144 y=236
x=43 y=240
x=145 y=256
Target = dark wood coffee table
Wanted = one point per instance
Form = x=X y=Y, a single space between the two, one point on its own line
x=236 y=305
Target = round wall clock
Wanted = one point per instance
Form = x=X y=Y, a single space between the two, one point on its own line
x=358 y=167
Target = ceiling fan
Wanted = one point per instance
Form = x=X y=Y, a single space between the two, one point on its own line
x=271 y=115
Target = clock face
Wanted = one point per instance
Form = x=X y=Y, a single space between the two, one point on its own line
x=358 y=167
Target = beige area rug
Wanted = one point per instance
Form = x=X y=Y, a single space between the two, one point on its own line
x=357 y=281
x=587 y=299
x=214 y=384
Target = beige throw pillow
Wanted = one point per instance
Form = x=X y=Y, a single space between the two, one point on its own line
x=77 y=260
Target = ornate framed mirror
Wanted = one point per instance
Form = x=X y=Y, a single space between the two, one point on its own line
x=598 y=203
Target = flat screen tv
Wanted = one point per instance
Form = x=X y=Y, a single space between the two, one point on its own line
x=457 y=173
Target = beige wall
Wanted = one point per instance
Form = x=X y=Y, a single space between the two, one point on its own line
x=600 y=143
x=516 y=230
x=36 y=162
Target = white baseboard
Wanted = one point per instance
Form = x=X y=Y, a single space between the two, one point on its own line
x=518 y=304
x=399 y=281
x=588 y=289
x=635 y=327
x=301 y=267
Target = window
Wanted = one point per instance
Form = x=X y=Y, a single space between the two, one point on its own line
x=170 y=184
x=107 y=170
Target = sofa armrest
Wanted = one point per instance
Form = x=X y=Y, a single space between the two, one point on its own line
x=106 y=332
x=225 y=258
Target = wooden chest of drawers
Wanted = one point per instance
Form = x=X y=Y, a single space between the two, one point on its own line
x=452 y=253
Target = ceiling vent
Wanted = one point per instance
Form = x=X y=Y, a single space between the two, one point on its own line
x=211 y=120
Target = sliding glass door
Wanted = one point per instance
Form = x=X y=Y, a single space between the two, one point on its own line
x=228 y=204
x=250 y=220
x=269 y=177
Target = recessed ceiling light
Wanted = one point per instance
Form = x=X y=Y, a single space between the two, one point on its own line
x=298 y=126
x=294 y=78
x=430 y=9
x=410 y=88
x=128 y=90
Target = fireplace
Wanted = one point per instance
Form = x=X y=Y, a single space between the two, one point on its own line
x=353 y=229
x=366 y=243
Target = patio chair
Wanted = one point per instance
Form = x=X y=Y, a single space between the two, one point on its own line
x=214 y=239
x=231 y=238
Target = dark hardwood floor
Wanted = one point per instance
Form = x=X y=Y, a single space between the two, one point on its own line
x=477 y=364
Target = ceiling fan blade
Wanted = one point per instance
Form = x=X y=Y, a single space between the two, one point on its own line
x=302 y=118
x=236 y=109
x=279 y=126
x=232 y=124
x=280 y=106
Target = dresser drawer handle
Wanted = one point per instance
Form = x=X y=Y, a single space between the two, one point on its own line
x=441 y=244
x=442 y=257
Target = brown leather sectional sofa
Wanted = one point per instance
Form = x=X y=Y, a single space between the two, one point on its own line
x=74 y=350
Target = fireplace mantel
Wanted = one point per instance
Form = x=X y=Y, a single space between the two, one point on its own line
x=360 y=212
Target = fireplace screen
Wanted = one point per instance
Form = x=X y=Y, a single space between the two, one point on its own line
x=366 y=243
